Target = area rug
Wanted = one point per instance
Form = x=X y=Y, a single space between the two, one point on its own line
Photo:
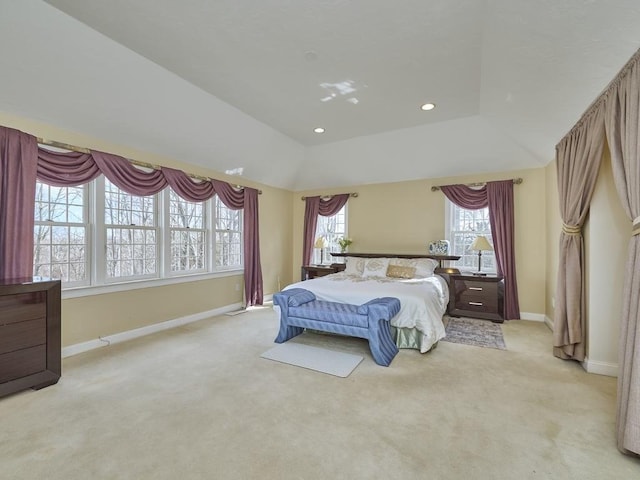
x=470 y=331
x=314 y=358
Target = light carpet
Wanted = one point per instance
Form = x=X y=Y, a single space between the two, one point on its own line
x=471 y=331
x=314 y=358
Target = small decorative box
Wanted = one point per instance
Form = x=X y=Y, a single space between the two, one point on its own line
x=439 y=247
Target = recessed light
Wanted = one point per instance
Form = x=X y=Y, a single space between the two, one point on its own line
x=428 y=106
x=318 y=130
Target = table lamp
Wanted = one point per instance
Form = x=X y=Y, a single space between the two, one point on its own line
x=320 y=244
x=480 y=243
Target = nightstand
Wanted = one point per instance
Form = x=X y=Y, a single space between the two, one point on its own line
x=476 y=297
x=312 y=271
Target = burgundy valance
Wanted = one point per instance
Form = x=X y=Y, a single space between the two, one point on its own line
x=22 y=161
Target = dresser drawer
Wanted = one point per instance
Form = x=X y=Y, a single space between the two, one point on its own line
x=22 y=307
x=16 y=336
x=474 y=287
x=22 y=363
x=470 y=305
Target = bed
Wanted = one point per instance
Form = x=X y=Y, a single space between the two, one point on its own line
x=423 y=294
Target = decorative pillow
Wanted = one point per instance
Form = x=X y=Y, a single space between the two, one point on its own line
x=396 y=271
x=355 y=266
x=403 y=262
x=301 y=297
x=425 y=267
x=375 y=267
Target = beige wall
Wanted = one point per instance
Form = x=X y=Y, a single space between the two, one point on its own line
x=404 y=217
x=607 y=232
x=87 y=318
x=554 y=227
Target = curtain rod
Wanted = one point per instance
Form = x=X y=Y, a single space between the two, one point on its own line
x=600 y=99
x=435 y=188
x=351 y=194
x=74 y=148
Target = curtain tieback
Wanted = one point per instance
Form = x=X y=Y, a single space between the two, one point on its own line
x=571 y=229
x=636 y=227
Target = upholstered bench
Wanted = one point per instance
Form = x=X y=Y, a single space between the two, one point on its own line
x=299 y=309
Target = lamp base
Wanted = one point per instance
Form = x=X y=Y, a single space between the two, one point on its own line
x=479 y=274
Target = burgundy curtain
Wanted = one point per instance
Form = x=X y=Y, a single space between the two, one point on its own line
x=124 y=175
x=501 y=216
x=246 y=198
x=498 y=196
x=18 y=170
x=68 y=169
x=311 y=209
x=318 y=206
x=186 y=187
x=22 y=161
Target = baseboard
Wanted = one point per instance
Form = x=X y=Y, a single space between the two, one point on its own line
x=142 y=331
x=600 y=368
x=548 y=322
x=534 y=317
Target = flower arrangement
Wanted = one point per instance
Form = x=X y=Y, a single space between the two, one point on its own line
x=344 y=243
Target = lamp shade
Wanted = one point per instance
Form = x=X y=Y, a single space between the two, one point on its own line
x=481 y=243
x=319 y=242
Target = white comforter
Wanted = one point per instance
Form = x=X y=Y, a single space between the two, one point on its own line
x=423 y=300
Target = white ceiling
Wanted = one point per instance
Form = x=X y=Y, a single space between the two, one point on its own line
x=242 y=83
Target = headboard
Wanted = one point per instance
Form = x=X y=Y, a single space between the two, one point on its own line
x=439 y=258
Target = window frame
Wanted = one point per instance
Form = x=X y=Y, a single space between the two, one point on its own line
x=214 y=206
x=331 y=244
x=52 y=224
x=487 y=267
x=96 y=280
x=167 y=232
x=104 y=228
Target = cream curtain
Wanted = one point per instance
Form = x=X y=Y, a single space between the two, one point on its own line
x=622 y=128
x=579 y=155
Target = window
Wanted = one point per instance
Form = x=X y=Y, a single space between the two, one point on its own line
x=188 y=235
x=60 y=234
x=228 y=236
x=463 y=226
x=131 y=234
x=97 y=234
x=331 y=229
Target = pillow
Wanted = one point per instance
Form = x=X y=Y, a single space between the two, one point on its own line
x=375 y=267
x=396 y=271
x=425 y=267
x=355 y=266
x=301 y=297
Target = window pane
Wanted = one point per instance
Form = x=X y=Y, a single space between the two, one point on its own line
x=122 y=208
x=228 y=236
x=465 y=226
x=331 y=229
x=60 y=234
x=188 y=236
x=131 y=252
x=131 y=234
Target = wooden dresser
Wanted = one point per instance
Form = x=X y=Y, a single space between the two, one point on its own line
x=30 y=334
x=476 y=297
x=312 y=271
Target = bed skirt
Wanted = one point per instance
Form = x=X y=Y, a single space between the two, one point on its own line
x=411 y=338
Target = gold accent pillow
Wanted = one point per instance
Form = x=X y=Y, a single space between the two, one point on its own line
x=396 y=271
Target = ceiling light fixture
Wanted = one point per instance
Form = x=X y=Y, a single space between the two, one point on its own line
x=318 y=130
x=428 y=106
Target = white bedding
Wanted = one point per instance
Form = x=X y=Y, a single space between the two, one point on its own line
x=423 y=300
